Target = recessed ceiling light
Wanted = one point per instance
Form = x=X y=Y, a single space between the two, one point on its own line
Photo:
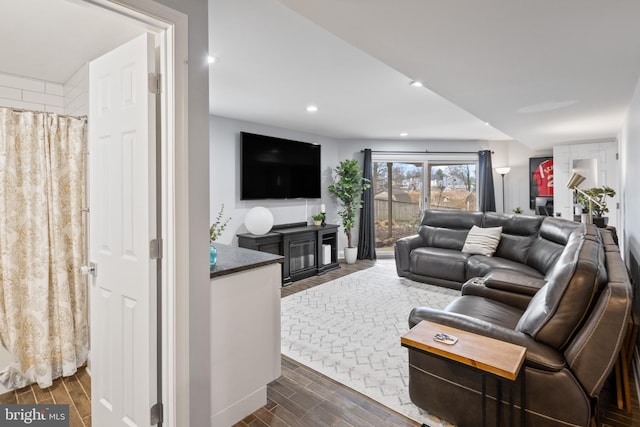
x=211 y=59
x=487 y=124
x=404 y=134
x=416 y=83
x=312 y=108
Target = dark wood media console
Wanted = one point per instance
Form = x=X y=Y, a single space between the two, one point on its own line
x=308 y=250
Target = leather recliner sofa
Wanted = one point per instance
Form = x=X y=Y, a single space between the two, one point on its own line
x=529 y=245
x=571 y=318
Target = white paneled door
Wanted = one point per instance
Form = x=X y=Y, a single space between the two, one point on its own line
x=122 y=223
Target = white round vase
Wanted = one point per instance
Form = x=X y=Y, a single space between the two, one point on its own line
x=259 y=220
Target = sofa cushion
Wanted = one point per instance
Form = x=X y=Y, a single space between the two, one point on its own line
x=447 y=229
x=482 y=241
x=543 y=254
x=515 y=248
x=494 y=312
x=445 y=264
x=456 y=220
x=518 y=234
x=478 y=266
x=519 y=225
x=559 y=230
x=444 y=238
x=552 y=239
x=557 y=310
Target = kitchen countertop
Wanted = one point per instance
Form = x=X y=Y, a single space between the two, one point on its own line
x=232 y=259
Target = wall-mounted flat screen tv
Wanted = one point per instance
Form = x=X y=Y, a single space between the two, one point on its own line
x=277 y=168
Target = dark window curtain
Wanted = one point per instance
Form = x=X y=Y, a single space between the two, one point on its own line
x=486 y=193
x=367 y=231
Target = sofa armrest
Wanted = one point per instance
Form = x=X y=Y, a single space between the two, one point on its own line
x=510 y=281
x=478 y=288
x=539 y=355
x=403 y=249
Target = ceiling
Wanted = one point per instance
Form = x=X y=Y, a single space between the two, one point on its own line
x=51 y=39
x=274 y=62
x=541 y=72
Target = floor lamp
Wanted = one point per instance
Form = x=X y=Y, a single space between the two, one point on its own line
x=503 y=171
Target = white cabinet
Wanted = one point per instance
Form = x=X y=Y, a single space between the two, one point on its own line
x=245 y=335
x=601 y=158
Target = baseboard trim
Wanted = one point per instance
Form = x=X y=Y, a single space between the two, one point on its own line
x=240 y=409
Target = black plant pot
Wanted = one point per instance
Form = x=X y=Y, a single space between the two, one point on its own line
x=601 y=221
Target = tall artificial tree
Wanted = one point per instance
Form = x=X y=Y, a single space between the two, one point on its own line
x=347 y=188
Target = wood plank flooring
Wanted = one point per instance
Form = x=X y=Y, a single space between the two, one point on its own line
x=301 y=397
x=74 y=391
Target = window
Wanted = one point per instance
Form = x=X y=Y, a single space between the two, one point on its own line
x=452 y=186
x=398 y=201
x=402 y=190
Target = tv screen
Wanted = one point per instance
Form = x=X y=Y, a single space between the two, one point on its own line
x=276 y=168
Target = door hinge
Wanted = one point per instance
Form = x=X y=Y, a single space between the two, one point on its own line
x=617 y=156
x=155 y=249
x=156 y=413
x=155 y=83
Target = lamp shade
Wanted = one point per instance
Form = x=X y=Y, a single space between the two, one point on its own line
x=575 y=180
x=503 y=170
x=259 y=220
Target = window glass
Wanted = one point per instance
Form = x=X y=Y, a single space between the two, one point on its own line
x=452 y=186
x=398 y=201
x=405 y=185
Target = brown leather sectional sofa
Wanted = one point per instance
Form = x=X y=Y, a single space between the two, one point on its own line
x=559 y=289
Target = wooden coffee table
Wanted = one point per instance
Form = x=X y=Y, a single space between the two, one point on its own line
x=498 y=359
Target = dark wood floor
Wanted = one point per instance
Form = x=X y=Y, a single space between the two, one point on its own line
x=303 y=397
x=74 y=391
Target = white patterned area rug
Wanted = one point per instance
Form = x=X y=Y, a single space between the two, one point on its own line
x=349 y=329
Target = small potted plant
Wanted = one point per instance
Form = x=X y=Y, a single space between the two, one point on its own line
x=598 y=196
x=347 y=188
x=517 y=210
x=215 y=231
x=317 y=218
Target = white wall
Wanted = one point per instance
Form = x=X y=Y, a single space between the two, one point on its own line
x=31 y=94
x=195 y=391
x=516 y=182
x=225 y=172
x=225 y=177
x=629 y=232
x=71 y=97
x=76 y=93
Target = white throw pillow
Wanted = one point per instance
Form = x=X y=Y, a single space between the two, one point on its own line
x=482 y=241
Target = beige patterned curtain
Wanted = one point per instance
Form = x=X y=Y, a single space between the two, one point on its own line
x=43 y=297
